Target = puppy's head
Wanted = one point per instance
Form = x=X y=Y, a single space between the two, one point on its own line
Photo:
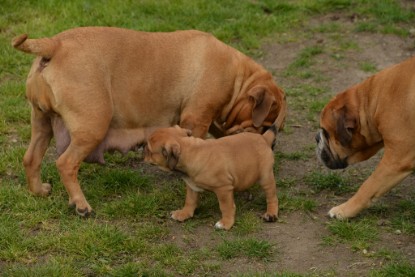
x=341 y=140
x=163 y=147
x=262 y=106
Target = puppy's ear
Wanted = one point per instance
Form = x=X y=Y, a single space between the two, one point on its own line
x=346 y=125
x=263 y=101
x=171 y=152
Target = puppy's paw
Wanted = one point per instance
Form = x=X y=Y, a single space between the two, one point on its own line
x=85 y=212
x=220 y=225
x=268 y=217
x=181 y=215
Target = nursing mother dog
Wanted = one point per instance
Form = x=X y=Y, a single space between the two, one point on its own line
x=100 y=88
x=377 y=113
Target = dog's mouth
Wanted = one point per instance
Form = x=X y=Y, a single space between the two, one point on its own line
x=325 y=155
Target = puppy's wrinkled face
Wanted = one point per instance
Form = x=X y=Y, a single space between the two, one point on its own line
x=257 y=111
x=163 y=147
x=339 y=140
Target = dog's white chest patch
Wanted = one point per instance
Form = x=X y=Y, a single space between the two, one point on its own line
x=192 y=184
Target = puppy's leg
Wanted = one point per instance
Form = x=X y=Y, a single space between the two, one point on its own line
x=39 y=141
x=390 y=172
x=268 y=185
x=227 y=207
x=192 y=198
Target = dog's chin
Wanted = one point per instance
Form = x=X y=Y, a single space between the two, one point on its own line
x=330 y=160
x=165 y=169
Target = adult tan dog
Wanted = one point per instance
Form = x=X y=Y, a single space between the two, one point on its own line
x=101 y=88
x=379 y=112
x=223 y=166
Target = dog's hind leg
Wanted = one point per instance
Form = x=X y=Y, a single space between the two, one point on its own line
x=87 y=124
x=268 y=185
x=39 y=142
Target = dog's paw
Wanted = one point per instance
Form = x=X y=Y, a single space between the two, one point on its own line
x=337 y=213
x=269 y=217
x=220 y=225
x=44 y=190
x=180 y=215
x=85 y=213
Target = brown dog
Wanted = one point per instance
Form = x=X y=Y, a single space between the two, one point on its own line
x=379 y=112
x=223 y=166
x=98 y=89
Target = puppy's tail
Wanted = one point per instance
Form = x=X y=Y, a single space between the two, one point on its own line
x=44 y=47
x=270 y=135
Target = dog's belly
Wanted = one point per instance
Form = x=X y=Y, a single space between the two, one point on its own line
x=192 y=184
x=121 y=139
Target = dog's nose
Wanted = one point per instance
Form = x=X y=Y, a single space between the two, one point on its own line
x=318 y=137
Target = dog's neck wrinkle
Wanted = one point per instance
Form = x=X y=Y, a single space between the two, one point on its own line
x=369 y=123
x=249 y=74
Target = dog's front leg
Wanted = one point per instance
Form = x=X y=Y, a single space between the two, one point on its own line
x=196 y=120
x=390 y=172
x=192 y=198
x=227 y=207
x=39 y=141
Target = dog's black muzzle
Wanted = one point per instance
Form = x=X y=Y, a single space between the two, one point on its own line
x=329 y=159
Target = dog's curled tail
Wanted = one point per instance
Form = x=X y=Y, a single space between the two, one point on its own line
x=44 y=47
x=270 y=135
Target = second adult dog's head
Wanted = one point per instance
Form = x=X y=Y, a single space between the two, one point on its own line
x=346 y=133
x=163 y=147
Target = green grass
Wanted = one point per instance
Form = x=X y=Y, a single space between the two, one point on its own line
x=399 y=269
x=359 y=233
x=331 y=181
x=132 y=233
x=368 y=67
x=251 y=248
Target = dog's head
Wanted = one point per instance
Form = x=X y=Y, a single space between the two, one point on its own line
x=342 y=140
x=163 y=147
x=262 y=105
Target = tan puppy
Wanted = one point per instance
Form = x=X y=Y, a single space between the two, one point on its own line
x=379 y=112
x=98 y=89
x=222 y=165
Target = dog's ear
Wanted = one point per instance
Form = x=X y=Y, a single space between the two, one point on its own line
x=346 y=125
x=171 y=152
x=188 y=131
x=263 y=101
